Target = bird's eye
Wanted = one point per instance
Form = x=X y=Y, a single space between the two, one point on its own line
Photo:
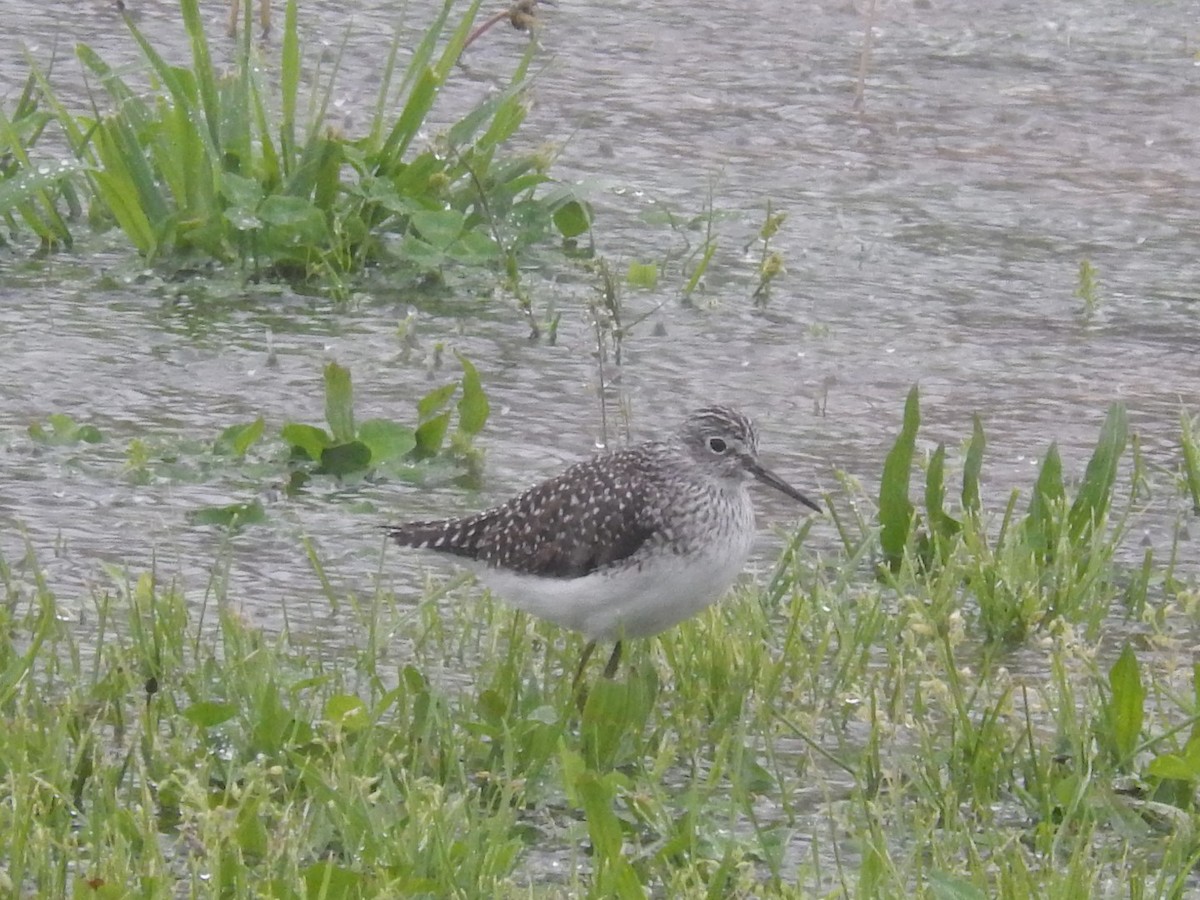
x=716 y=445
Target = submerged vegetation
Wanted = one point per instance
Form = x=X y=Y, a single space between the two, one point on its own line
x=850 y=729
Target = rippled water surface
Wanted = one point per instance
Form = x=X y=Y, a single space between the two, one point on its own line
x=935 y=233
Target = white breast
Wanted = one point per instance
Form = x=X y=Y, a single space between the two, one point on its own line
x=641 y=599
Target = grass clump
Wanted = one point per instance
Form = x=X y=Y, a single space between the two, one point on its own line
x=1052 y=562
x=218 y=167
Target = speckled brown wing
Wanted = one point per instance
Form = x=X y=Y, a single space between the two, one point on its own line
x=593 y=515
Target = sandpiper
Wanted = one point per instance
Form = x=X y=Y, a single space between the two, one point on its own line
x=626 y=544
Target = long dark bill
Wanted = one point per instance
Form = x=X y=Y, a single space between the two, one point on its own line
x=766 y=476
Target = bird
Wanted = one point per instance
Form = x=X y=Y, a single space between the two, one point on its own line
x=623 y=545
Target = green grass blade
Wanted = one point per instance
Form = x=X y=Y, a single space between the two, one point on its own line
x=427 y=84
x=202 y=68
x=289 y=86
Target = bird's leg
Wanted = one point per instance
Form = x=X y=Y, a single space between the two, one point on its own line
x=613 y=661
x=587 y=654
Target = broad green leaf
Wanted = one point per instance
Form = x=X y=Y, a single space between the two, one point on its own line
x=345 y=459
x=1041 y=531
x=1126 y=705
x=573 y=218
x=972 y=468
x=438 y=227
x=895 y=509
x=643 y=275
x=347 y=711
x=306 y=439
x=386 y=439
x=435 y=401
x=1095 y=492
x=476 y=247
x=339 y=402
x=473 y=405
x=237 y=439
x=431 y=434
x=296 y=218
x=209 y=713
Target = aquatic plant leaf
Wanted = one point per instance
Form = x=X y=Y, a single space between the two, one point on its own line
x=237 y=439
x=1125 y=707
x=307 y=440
x=942 y=525
x=302 y=222
x=573 y=218
x=339 y=402
x=895 y=509
x=1041 y=528
x=643 y=275
x=473 y=408
x=475 y=248
x=1095 y=492
x=386 y=439
x=972 y=467
x=349 y=458
x=430 y=435
x=438 y=227
x=64 y=431
x=1191 y=459
x=435 y=400
x=233 y=516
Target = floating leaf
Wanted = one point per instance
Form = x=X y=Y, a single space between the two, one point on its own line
x=345 y=459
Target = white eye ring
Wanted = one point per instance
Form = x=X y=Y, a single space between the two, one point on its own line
x=716 y=445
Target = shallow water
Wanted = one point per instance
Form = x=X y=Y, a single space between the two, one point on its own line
x=934 y=236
